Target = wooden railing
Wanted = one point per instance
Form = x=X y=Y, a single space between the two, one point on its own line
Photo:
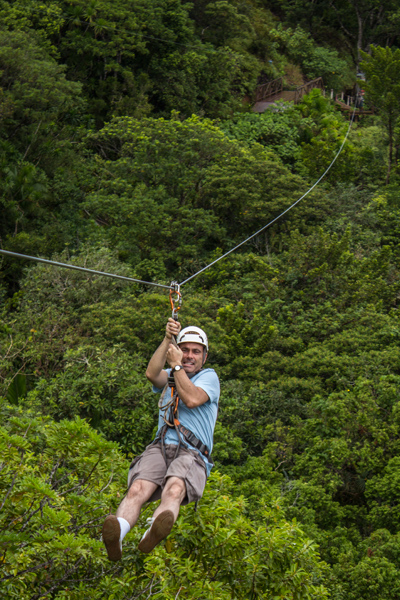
x=346 y=104
x=307 y=87
x=272 y=88
x=266 y=90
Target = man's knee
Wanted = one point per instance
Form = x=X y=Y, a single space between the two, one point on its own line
x=141 y=489
x=175 y=489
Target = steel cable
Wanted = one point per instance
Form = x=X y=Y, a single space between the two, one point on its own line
x=279 y=216
x=168 y=287
x=91 y=271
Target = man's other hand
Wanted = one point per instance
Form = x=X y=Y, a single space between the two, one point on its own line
x=174 y=356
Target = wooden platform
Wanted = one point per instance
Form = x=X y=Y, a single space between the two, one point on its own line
x=348 y=108
x=269 y=93
x=261 y=106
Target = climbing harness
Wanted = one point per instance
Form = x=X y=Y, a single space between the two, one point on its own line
x=170 y=413
x=171 y=420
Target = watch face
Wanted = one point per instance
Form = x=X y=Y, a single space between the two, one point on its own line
x=177 y=368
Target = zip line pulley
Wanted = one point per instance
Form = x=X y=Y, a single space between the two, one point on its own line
x=175 y=301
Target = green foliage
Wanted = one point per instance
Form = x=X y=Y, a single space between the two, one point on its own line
x=369 y=150
x=200 y=190
x=17 y=389
x=38 y=340
x=58 y=482
x=382 y=89
x=315 y=61
x=306 y=137
x=347 y=25
x=36 y=99
x=280 y=130
x=107 y=389
x=375 y=575
x=303 y=319
x=23 y=190
x=96 y=41
x=132 y=58
x=325 y=135
x=222 y=23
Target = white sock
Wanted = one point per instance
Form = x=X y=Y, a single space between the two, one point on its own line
x=125 y=527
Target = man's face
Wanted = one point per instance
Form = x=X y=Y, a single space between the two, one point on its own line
x=192 y=359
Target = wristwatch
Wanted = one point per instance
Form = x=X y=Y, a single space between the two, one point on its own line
x=177 y=368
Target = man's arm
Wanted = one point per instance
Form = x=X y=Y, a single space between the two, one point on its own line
x=155 y=369
x=190 y=394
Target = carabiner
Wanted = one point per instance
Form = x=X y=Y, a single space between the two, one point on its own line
x=176 y=302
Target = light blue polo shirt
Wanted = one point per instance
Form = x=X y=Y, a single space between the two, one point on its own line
x=201 y=419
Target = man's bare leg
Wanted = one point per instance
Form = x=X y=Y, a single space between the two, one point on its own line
x=139 y=492
x=165 y=515
x=171 y=497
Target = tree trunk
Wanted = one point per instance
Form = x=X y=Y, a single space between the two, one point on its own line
x=390 y=128
x=360 y=31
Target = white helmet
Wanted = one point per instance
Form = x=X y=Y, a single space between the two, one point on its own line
x=193 y=334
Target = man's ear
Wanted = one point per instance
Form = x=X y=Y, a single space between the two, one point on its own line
x=205 y=354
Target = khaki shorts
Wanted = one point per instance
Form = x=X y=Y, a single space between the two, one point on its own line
x=188 y=466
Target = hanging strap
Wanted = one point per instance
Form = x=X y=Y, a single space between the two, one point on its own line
x=171 y=420
x=191 y=439
x=185 y=436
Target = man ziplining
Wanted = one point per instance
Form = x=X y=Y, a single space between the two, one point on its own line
x=175 y=466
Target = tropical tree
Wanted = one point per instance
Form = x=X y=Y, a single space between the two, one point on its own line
x=59 y=480
x=37 y=102
x=382 y=87
x=354 y=24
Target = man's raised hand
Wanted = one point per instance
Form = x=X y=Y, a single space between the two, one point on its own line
x=173 y=328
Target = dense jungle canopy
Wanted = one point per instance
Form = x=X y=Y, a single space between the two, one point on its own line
x=128 y=145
